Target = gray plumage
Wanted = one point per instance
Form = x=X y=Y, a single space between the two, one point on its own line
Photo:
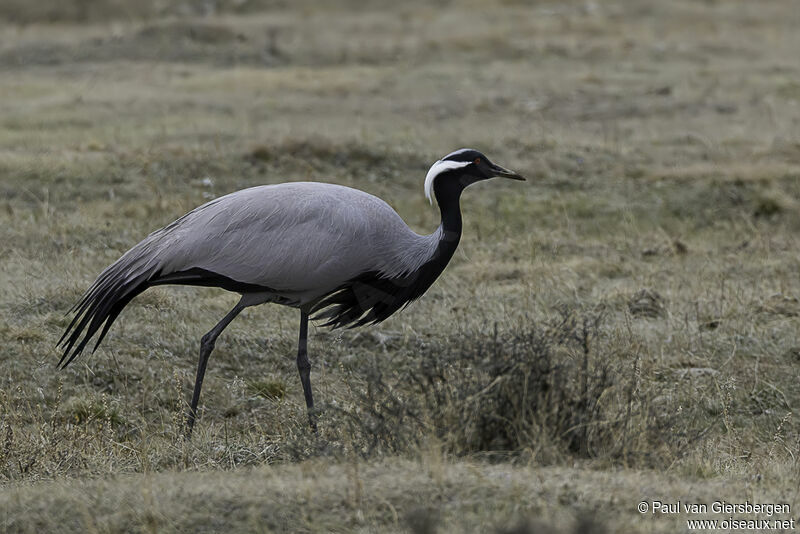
x=333 y=251
x=299 y=239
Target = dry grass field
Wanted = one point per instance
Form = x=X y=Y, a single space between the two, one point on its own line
x=621 y=328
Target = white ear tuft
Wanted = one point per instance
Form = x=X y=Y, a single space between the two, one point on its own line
x=438 y=168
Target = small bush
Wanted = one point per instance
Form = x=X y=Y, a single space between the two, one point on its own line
x=267 y=389
x=646 y=303
x=536 y=388
x=82 y=409
x=553 y=391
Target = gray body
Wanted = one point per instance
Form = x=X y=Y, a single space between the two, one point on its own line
x=338 y=253
x=296 y=240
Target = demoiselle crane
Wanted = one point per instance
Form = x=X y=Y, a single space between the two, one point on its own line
x=338 y=254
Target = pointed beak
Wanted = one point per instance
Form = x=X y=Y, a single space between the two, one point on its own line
x=502 y=172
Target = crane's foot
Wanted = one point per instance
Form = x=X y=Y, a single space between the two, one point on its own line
x=187 y=432
x=312 y=420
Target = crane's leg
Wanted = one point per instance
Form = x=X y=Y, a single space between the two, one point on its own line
x=304 y=367
x=206 y=346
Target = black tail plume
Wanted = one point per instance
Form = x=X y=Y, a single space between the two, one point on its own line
x=100 y=306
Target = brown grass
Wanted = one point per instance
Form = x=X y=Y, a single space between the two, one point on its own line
x=620 y=328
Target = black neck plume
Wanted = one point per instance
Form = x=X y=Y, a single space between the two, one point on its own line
x=371 y=297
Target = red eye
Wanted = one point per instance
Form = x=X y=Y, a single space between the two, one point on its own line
x=477 y=161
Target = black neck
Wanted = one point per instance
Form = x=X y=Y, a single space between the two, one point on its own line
x=448 y=199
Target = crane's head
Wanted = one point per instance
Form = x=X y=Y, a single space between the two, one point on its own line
x=451 y=174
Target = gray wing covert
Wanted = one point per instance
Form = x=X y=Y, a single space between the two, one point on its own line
x=296 y=237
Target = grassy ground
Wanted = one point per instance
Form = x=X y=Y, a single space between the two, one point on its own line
x=621 y=328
